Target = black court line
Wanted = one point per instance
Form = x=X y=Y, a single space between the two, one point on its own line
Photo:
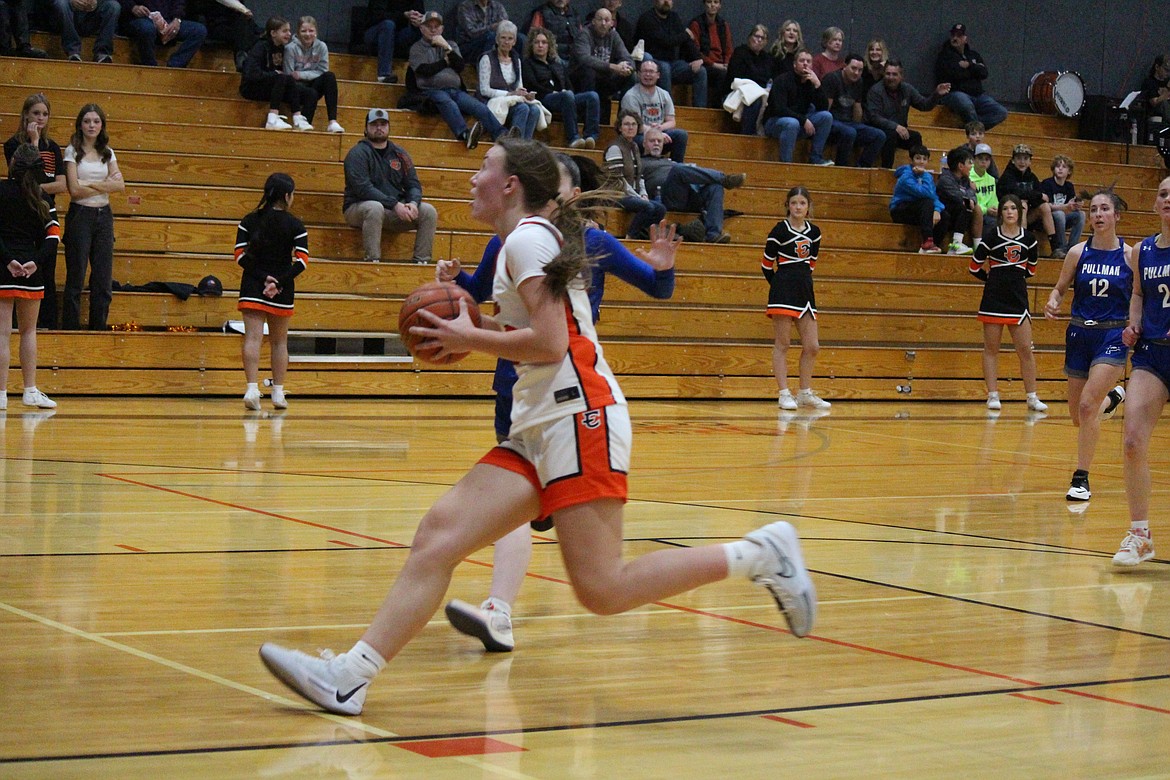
x=597 y=725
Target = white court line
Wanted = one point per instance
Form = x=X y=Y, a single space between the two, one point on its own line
x=175 y=665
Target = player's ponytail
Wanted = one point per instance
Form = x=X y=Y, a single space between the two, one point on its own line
x=277 y=188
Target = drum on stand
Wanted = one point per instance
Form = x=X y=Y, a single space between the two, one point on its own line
x=1057 y=92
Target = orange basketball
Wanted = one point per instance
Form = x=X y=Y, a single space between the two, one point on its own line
x=442 y=300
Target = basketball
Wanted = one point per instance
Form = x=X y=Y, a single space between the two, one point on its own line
x=442 y=300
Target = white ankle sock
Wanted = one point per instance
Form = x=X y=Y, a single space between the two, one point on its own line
x=742 y=557
x=1142 y=526
x=957 y=238
x=253 y=386
x=278 y=388
x=365 y=660
x=498 y=604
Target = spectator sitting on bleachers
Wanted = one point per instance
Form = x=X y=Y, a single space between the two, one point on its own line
x=975 y=135
x=712 y=34
x=229 y=21
x=1019 y=180
x=877 y=54
x=393 y=30
x=501 y=79
x=87 y=17
x=961 y=212
x=1156 y=88
x=961 y=66
x=14 y=26
x=264 y=78
x=382 y=190
x=1062 y=199
x=155 y=22
x=843 y=90
x=681 y=187
x=434 y=69
x=655 y=108
x=888 y=105
x=789 y=40
x=829 y=60
x=477 y=25
x=559 y=19
x=797 y=108
x=306 y=59
x=625 y=26
x=983 y=181
x=668 y=41
x=545 y=75
x=750 y=61
x=915 y=201
x=601 y=62
x=623 y=161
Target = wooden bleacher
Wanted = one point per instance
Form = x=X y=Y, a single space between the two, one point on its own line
x=195 y=157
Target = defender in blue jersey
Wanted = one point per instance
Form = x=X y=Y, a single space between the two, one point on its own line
x=1100 y=272
x=491 y=622
x=1148 y=334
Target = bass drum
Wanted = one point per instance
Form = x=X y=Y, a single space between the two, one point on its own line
x=1057 y=92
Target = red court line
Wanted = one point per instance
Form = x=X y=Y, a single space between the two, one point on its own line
x=1033 y=698
x=343 y=544
x=1115 y=701
x=462 y=746
x=253 y=510
x=789 y=721
x=128 y=547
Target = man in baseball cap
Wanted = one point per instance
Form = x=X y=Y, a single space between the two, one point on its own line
x=382 y=190
x=963 y=68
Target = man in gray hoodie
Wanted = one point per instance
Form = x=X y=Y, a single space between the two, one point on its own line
x=382 y=190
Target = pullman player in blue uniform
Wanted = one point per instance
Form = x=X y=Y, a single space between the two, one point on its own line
x=1148 y=334
x=790 y=255
x=1101 y=273
x=1010 y=254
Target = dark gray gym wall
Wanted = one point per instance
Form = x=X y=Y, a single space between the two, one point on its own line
x=1109 y=43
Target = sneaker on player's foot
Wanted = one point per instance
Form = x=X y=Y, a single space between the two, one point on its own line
x=577 y=143
x=1115 y=397
x=472 y=137
x=959 y=248
x=274 y=122
x=928 y=248
x=278 y=399
x=787 y=401
x=326 y=681
x=489 y=625
x=300 y=123
x=809 y=398
x=252 y=400
x=1134 y=549
x=1078 y=489
x=993 y=402
x=781 y=570
x=1036 y=405
x=334 y=127
x=34 y=397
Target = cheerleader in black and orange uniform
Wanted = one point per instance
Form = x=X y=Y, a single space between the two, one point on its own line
x=789 y=258
x=29 y=235
x=1010 y=254
x=272 y=246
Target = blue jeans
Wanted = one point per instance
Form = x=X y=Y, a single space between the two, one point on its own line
x=978 y=107
x=386 y=39
x=788 y=129
x=145 y=37
x=567 y=102
x=524 y=117
x=751 y=116
x=99 y=22
x=454 y=103
x=846 y=134
x=646 y=213
x=1074 y=221
x=691 y=188
x=680 y=71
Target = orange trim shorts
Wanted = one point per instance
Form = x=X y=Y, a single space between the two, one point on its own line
x=572 y=460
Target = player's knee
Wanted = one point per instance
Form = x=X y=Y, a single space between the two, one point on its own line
x=598 y=596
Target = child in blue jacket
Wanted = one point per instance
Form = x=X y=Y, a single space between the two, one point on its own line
x=915 y=201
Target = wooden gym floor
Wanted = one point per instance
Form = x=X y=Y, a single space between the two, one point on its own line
x=970 y=624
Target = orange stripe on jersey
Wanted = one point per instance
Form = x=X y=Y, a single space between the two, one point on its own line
x=29 y=294
x=239 y=252
x=597 y=479
x=510 y=460
x=583 y=354
x=53 y=230
x=303 y=256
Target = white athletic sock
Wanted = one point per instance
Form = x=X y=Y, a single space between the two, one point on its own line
x=365 y=660
x=957 y=238
x=742 y=557
x=278 y=388
x=1033 y=395
x=253 y=386
x=498 y=605
x=978 y=241
x=1141 y=526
